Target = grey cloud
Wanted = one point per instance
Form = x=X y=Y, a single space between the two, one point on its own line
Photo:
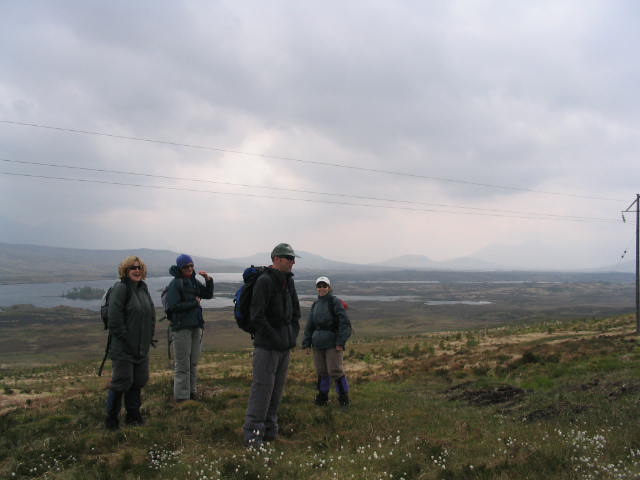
x=525 y=94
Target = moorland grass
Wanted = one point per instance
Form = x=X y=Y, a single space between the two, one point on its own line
x=517 y=402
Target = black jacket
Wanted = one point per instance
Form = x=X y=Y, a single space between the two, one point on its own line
x=181 y=298
x=132 y=321
x=275 y=311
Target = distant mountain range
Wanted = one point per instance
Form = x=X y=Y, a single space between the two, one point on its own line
x=31 y=263
x=425 y=263
x=307 y=261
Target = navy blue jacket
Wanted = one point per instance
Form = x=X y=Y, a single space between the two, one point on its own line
x=181 y=298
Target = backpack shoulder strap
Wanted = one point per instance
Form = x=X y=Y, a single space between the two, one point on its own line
x=332 y=309
x=127 y=291
x=181 y=287
x=180 y=282
x=332 y=305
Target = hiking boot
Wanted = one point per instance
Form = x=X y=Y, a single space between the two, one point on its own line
x=322 y=399
x=111 y=423
x=252 y=436
x=114 y=403
x=344 y=401
x=342 y=388
x=134 y=418
x=323 y=385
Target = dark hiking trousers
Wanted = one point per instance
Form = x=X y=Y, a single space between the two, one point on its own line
x=126 y=375
x=269 y=374
x=129 y=378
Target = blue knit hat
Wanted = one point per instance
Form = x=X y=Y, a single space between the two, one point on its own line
x=183 y=260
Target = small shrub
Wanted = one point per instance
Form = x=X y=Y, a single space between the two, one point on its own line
x=529 y=357
x=503 y=358
x=553 y=358
x=481 y=370
x=473 y=342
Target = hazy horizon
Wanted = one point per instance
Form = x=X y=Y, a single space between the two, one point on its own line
x=405 y=261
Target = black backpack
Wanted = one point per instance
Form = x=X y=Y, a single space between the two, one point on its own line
x=165 y=303
x=242 y=298
x=104 y=305
x=168 y=314
x=104 y=315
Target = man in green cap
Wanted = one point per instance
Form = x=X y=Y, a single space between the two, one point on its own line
x=275 y=315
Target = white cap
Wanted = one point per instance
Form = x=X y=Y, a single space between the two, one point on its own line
x=323 y=279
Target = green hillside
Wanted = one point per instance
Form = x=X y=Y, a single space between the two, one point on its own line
x=34 y=263
x=552 y=400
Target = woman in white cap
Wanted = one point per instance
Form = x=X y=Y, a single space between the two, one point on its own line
x=327 y=331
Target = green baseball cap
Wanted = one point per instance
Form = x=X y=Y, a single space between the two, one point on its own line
x=283 y=249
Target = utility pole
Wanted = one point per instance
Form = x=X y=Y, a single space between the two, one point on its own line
x=636 y=202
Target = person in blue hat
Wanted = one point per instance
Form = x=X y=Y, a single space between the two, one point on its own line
x=187 y=324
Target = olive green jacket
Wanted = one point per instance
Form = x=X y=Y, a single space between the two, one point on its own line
x=132 y=321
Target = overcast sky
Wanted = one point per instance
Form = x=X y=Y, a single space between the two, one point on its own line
x=462 y=97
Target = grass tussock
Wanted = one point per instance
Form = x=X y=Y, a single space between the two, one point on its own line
x=549 y=400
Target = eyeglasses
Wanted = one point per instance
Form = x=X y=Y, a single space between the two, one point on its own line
x=322 y=285
x=291 y=258
x=135 y=267
x=188 y=266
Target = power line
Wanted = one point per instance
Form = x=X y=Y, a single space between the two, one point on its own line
x=304 y=161
x=343 y=195
x=324 y=202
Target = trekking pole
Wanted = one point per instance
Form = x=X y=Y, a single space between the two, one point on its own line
x=106 y=354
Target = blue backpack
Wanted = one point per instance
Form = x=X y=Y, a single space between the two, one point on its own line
x=242 y=298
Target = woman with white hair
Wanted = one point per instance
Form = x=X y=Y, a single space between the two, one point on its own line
x=327 y=331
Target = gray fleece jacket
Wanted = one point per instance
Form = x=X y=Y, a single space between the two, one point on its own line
x=328 y=324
